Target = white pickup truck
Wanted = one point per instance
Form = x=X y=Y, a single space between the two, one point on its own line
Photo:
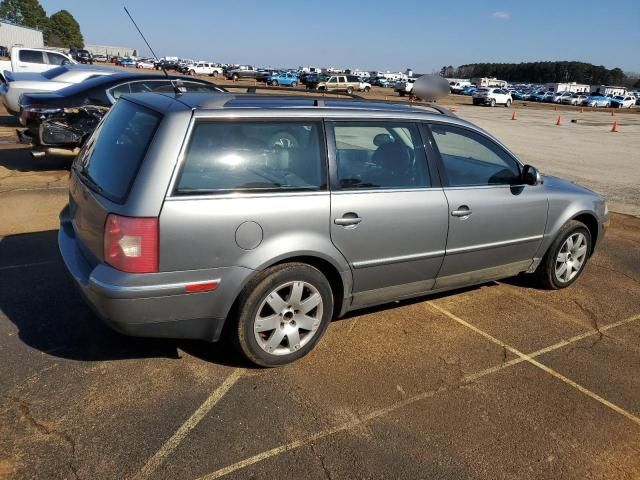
x=33 y=60
x=204 y=68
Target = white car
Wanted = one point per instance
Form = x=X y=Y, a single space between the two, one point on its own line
x=364 y=86
x=574 y=99
x=204 y=68
x=48 y=81
x=626 y=101
x=492 y=96
x=145 y=63
x=405 y=87
x=34 y=60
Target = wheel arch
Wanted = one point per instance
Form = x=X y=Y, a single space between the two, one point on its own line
x=591 y=222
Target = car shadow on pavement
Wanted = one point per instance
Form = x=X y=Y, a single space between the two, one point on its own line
x=39 y=298
x=20 y=159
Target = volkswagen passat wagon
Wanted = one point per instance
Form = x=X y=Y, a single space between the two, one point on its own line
x=270 y=216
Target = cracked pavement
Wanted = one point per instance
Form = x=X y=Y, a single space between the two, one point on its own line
x=400 y=391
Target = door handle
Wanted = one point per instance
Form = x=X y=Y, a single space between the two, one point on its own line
x=463 y=211
x=348 y=219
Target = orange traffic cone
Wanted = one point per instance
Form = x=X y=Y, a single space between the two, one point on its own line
x=514 y=116
x=558 y=122
x=614 y=129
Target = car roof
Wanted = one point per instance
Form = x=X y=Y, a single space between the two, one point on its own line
x=116 y=78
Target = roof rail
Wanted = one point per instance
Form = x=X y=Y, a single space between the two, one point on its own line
x=318 y=97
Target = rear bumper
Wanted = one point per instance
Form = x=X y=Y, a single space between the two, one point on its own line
x=152 y=305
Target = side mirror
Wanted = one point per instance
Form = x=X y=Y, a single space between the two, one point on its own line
x=65 y=62
x=531 y=176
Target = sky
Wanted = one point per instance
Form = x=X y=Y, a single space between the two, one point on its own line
x=368 y=34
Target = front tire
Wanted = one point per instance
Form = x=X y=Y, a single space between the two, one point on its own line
x=283 y=313
x=508 y=104
x=493 y=102
x=567 y=256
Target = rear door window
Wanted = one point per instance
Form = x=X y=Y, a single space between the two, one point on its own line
x=253 y=156
x=56 y=59
x=110 y=160
x=379 y=155
x=31 y=56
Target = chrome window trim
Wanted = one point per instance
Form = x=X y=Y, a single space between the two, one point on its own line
x=486 y=246
x=228 y=195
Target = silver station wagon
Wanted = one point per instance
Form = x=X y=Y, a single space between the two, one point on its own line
x=259 y=218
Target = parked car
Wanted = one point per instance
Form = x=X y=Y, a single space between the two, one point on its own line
x=190 y=215
x=312 y=80
x=99 y=57
x=537 y=96
x=548 y=97
x=491 y=97
x=167 y=65
x=468 y=90
x=405 y=87
x=246 y=71
x=283 y=78
x=457 y=87
x=364 y=85
x=127 y=62
x=574 y=99
x=559 y=96
x=81 y=55
x=340 y=83
x=597 y=100
x=49 y=81
x=626 y=101
x=147 y=63
x=33 y=60
x=60 y=122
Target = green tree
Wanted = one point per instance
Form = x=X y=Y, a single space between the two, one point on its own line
x=24 y=12
x=64 y=31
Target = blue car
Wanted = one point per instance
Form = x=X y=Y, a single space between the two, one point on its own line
x=537 y=96
x=283 y=78
x=127 y=62
x=597 y=100
x=468 y=90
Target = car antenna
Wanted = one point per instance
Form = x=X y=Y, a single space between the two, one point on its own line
x=176 y=87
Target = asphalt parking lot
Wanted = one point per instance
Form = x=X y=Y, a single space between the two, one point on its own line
x=499 y=381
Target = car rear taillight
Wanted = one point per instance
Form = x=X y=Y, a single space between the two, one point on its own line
x=28 y=112
x=131 y=243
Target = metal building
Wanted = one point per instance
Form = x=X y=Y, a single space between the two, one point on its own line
x=111 y=51
x=12 y=35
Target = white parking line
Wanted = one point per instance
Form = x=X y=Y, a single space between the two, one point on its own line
x=158 y=458
x=532 y=361
x=401 y=404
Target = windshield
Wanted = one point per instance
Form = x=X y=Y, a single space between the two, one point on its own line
x=110 y=159
x=54 y=72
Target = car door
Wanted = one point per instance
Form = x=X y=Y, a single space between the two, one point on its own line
x=32 y=60
x=496 y=224
x=388 y=212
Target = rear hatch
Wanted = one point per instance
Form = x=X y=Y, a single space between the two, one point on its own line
x=104 y=172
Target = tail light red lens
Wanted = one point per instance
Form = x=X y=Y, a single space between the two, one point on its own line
x=131 y=243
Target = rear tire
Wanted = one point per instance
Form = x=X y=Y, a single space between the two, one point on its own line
x=277 y=298
x=349 y=90
x=565 y=261
x=367 y=90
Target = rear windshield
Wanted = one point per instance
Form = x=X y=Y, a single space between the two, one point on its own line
x=110 y=159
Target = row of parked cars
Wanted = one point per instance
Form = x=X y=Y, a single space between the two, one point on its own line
x=504 y=96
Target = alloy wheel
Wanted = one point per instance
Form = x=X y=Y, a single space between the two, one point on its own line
x=571 y=257
x=288 y=318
